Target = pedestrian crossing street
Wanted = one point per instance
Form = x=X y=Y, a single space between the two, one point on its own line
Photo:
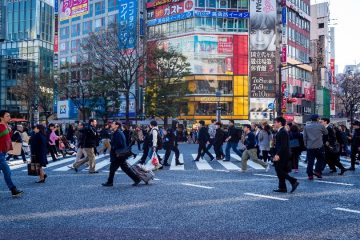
x=103 y=164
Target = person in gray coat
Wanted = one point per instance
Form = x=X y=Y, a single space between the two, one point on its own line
x=313 y=141
x=264 y=138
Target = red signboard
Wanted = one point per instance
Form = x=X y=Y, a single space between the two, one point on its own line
x=228 y=64
x=56 y=43
x=171 y=9
x=332 y=69
x=241 y=55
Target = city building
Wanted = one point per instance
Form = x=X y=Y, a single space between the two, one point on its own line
x=73 y=32
x=296 y=75
x=323 y=53
x=213 y=35
x=26 y=44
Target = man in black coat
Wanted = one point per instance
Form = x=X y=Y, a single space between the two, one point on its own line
x=118 y=143
x=171 y=144
x=218 y=141
x=355 y=144
x=203 y=139
x=282 y=157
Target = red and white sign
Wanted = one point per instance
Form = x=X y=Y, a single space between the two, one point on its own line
x=332 y=69
x=56 y=43
x=284 y=54
x=225 y=44
x=172 y=9
x=229 y=65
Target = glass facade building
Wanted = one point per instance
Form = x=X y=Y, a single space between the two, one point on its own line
x=26 y=45
x=213 y=35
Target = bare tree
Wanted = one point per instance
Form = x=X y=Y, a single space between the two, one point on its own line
x=165 y=87
x=109 y=54
x=348 y=93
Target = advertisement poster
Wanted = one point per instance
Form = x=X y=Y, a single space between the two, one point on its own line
x=262 y=49
x=128 y=11
x=66 y=109
x=261 y=108
x=73 y=8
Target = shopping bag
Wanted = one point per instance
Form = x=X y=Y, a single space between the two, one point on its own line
x=154 y=160
x=33 y=169
x=16 y=148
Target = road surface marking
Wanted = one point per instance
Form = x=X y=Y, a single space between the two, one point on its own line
x=336 y=183
x=198 y=186
x=173 y=163
x=347 y=210
x=265 y=175
x=229 y=165
x=201 y=164
x=266 y=196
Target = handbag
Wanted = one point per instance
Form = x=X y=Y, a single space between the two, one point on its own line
x=154 y=159
x=33 y=169
x=123 y=153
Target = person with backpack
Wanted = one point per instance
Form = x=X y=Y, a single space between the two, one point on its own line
x=234 y=135
x=117 y=158
x=219 y=141
x=203 y=139
x=152 y=143
x=296 y=146
x=171 y=144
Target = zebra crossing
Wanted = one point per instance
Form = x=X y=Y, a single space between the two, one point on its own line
x=103 y=164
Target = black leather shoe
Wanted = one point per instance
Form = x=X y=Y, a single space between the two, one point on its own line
x=41 y=181
x=294 y=186
x=195 y=160
x=107 y=184
x=93 y=172
x=342 y=171
x=179 y=164
x=136 y=183
x=166 y=165
x=280 y=190
x=351 y=169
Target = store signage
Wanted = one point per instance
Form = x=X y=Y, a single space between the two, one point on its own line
x=171 y=9
x=172 y=18
x=221 y=14
x=73 y=8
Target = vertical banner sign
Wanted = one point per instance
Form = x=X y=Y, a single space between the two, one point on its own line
x=262 y=51
x=128 y=24
x=1 y=20
x=73 y=8
x=333 y=82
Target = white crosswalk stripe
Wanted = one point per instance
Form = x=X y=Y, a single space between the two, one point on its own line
x=58 y=162
x=229 y=165
x=249 y=162
x=202 y=164
x=173 y=163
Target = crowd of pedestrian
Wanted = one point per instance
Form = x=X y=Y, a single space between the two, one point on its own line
x=279 y=144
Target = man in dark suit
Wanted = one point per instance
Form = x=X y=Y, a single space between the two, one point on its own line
x=203 y=139
x=282 y=157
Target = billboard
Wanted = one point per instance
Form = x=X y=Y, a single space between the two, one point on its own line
x=173 y=18
x=73 y=8
x=128 y=15
x=66 y=109
x=262 y=50
x=221 y=14
x=171 y=9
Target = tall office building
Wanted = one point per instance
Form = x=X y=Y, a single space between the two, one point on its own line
x=74 y=28
x=322 y=39
x=213 y=35
x=26 y=44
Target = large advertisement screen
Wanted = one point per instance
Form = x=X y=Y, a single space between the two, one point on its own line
x=262 y=50
x=73 y=8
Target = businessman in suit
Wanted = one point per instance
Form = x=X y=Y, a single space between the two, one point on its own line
x=282 y=157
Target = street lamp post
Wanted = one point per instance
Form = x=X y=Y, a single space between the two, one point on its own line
x=218 y=107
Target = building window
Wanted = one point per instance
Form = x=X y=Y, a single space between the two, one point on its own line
x=112 y=5
x=321 y=25
x=64 y=32
x=87 y=27
x=112 y=19
x=90 y=14
x=75 y=45
x=99 y=8
x=64 y=47
x=99 y=23
x=75 y=30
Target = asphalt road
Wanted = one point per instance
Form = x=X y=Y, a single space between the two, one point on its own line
x=189 y=204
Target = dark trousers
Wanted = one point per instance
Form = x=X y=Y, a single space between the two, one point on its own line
x=202 y=150
x=219 y=152
x=114 y=166
x=333 y=160
x=15 y=157
x=211 y=143
x=145 y=155
x=295 y=155
x=319 y=154
x=52 y=150
x=265 y=155
x=282 y=174
x=168 y=151
x=354 y=151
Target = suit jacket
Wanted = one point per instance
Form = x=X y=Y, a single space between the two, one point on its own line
x=282 y=148
x=118 y=142
x=203 y=135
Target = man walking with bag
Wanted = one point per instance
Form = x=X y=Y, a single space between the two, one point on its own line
x=118 y=156
x=171 y=145
x=5 y=146
x=90 y=141
x=232 y=140
x=282 y=159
